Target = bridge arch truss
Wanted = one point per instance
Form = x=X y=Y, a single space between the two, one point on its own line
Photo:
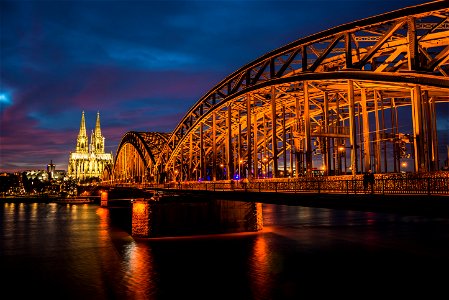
x=136 y=157
x=334 y=101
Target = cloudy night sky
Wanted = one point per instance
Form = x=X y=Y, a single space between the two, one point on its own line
x=141 y=64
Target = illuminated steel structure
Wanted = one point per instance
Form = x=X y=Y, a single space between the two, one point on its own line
x=137 y=155
x=89 y=159
x=316 y=103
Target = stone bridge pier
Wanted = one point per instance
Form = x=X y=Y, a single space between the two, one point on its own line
x=179 y=218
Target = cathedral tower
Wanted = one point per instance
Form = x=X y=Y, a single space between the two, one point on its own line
x=97 y=141
x=82 y=141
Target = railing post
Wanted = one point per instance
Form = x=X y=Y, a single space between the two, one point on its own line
x=354 y=186
x=319 y=186
x=428 y=185
x=347 y=186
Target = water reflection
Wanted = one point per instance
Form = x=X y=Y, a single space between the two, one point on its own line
x=76 y=252
x=139 y=272
x=260 y=268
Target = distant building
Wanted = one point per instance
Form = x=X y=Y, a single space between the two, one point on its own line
x=40 y=175
x=89 y=159
x=51 y=170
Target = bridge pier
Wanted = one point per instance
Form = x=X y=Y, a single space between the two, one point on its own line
x=141 y=217
x=180 y=218
x=104 y=199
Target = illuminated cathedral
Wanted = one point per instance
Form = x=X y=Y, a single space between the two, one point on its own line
x=89 y=159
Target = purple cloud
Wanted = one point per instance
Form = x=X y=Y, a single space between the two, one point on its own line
x=129 y=59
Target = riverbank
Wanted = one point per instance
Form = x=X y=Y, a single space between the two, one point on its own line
x=27 y=199
x=47 y=199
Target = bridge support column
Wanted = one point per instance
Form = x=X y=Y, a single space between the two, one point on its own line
x=326 y=148
x=191 y=169
x=255 y=160
x=248 y=136
x=433 y=137
x=308 y=144
x=155 y=218
x=104 y=199
x=214 y=146
x=352 y=128
x=366 y=137
x=296 y=140
x=284 y=141
x=274 y=143
x=229 y=153
x=254 y=217
x=377 y=161
x=202 y=160
x=141 y=217
x=418 y=130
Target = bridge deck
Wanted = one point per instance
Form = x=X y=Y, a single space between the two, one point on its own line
x=411 y=204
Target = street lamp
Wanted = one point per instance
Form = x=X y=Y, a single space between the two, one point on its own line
x=265 y=160
x=404 y=164
x=342 y=150
x=240 y=163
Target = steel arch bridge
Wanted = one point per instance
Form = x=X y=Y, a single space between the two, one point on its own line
x=365 y=92
x=137 y=156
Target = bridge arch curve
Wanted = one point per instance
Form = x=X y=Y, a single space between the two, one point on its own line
x=303 y=102
x=136 y=156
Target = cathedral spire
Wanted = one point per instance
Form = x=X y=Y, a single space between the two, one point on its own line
x=97 y=138
x=82 y=141
x=97 y=125
x=82 y=126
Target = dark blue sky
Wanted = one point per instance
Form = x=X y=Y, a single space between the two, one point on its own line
x=141 y=64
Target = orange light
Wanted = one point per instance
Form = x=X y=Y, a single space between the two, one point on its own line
x=139 y=208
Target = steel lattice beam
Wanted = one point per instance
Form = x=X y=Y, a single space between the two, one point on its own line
x=313 y=94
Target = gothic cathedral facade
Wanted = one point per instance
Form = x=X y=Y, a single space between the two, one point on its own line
x=89 y=159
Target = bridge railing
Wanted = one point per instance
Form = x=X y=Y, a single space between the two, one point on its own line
x=382 y=185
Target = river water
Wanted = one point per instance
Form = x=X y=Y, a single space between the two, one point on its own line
x=54 y=251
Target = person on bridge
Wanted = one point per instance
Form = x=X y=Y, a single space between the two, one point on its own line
x=368 y=179
x=245 y=182
x=371 y=181
x=365 y=181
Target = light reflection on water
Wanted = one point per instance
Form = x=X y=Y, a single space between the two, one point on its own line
x=81 y=252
